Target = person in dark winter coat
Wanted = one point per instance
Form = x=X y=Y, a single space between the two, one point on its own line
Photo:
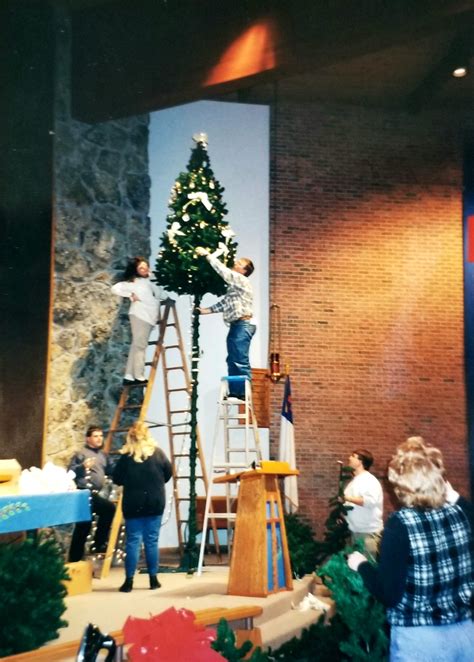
x=143 y=469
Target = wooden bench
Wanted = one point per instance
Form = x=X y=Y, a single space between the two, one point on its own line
x=239 y=618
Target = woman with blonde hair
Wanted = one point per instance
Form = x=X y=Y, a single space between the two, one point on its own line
x=425 y=575
x=143 y=469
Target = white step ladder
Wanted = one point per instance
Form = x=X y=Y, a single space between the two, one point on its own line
x=237 y=427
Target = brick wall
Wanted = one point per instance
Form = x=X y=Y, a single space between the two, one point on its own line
x=366 y=264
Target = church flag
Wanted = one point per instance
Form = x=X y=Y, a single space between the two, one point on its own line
x=287 y=450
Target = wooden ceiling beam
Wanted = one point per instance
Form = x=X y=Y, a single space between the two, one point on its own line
x=130 y=58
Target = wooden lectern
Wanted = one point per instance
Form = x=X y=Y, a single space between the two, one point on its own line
x=260 y=562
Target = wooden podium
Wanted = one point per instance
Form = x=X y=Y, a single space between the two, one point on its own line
x=260 y=563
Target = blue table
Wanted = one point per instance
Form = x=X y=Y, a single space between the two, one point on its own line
x=22 y=512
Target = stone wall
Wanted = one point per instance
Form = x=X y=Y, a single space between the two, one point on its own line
x=101 y=190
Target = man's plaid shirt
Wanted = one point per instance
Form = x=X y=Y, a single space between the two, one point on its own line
x=238 y=300
x=440 y=578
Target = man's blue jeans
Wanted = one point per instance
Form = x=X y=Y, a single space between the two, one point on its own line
x=238 y=348
x=136 y=529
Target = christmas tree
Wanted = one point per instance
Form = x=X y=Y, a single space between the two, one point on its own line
x=196 y=218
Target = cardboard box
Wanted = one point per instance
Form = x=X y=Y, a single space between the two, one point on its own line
x=10 y=472
x=80 y=573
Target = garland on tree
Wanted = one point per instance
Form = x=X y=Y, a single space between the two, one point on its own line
x=196 y=218
x=33 y=593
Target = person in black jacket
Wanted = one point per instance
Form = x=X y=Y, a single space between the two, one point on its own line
x=143 y=469
x=91 y=466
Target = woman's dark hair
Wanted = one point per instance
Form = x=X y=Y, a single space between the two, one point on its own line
x=131 y=269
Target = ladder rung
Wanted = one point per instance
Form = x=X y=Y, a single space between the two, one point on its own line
x=179 y=411
x=172 y=347
x=131 y=407
x=175 y=367
x=230 y=465
x=188 y=477
x=176 y=390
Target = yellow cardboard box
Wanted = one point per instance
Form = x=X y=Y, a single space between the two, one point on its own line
x=80 y=574
x=10 y=471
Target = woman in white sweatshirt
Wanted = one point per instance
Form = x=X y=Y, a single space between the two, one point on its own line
x=143 y=314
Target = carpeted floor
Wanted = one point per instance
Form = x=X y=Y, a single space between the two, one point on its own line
x=106 y=607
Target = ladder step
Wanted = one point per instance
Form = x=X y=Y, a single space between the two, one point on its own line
x=179 y=411
x=241 y=449
x=172 y=347
x=230 y=465
x=174 y=367
x=176 y=390
x=128 y=407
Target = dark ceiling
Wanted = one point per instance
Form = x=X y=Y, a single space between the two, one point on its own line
x=141 y=55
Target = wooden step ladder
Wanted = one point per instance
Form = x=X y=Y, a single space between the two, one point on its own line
x=133 y=405
x=237 y=429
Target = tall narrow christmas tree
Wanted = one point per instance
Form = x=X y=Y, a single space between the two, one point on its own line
x=196 y=218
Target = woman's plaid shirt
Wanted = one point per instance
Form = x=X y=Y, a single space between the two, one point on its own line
x=440 y=579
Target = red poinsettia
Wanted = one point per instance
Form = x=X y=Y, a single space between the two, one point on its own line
x=171 y=636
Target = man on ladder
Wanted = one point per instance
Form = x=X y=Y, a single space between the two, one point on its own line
x=237 y=309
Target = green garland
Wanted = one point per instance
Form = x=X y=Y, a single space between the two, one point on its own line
x=32 y=601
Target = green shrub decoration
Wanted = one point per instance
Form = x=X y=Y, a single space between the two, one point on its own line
x=363 y=615
x=226 y=646
x=302 y=546
x=318 y=642
x=32 y=595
